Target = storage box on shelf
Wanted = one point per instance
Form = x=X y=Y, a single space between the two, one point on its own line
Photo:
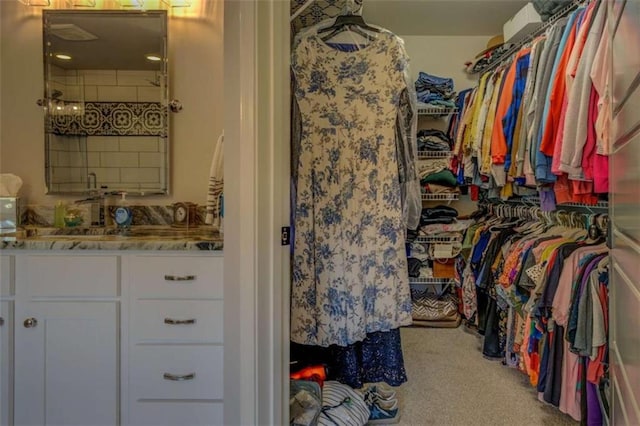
x=523 y=23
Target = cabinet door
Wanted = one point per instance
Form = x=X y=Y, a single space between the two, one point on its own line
x=6 y=360
x=66 y=365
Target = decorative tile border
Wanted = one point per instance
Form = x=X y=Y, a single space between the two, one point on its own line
x=112 y=119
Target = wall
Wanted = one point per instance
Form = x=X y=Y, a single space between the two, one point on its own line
x=195 y=78
x=445 y=56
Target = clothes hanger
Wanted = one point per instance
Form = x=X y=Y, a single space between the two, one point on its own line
x=349 y=19
x=349 y=22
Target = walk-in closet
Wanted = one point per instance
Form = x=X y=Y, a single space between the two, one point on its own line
x=464 y=190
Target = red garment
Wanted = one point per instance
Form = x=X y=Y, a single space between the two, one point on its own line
x=562 y=189
x=557 y=97
x=590 y=145
x=600 y=174
x=581 y=191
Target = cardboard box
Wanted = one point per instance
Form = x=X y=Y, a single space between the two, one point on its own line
x=522 y=24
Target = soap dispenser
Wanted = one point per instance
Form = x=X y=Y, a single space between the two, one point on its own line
x=123 y=214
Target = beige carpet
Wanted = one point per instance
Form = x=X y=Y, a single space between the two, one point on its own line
x=450 y=383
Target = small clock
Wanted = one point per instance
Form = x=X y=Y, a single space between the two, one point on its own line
x=181 y=214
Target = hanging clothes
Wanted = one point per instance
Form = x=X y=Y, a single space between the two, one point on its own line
x=537 y=292
x=536 y=126
x=356 y=192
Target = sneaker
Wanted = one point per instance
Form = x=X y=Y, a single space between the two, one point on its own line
x=384 y=392
x=382 y=412
x=379 y=391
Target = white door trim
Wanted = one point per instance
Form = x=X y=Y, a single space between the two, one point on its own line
x=273 y=211
x=240 y=227
x=256 y=271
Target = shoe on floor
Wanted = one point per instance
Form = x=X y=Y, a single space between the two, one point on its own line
x=383 y=414
x=379 y=391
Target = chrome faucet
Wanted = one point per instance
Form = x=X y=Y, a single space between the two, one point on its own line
x=97 y=208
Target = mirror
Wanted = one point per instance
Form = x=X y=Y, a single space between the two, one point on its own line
x=106 y=98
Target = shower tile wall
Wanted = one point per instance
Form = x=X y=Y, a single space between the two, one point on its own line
x=125 y=162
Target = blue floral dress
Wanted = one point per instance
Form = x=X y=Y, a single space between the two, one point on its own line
x=349 y=261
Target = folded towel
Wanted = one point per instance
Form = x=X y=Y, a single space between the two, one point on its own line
x=216 y=183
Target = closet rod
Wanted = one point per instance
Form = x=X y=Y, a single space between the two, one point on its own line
x=541 y=29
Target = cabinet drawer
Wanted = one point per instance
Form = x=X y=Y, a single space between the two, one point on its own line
x=176 y=277
x=150 y=364
x=178 y=320
x=172 y=413
x=6 y=276
x=62 y=276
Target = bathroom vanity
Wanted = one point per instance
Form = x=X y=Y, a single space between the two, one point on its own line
x=104 y=332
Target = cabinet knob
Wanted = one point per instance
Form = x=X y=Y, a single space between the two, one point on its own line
x=30 y=322
x=1 y=321
x=177 y=378
x=179 y=278
x=172 y=321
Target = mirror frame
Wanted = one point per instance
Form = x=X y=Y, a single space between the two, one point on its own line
x=158 y=111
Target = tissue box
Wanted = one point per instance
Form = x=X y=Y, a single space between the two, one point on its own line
x=9 y=214
x=522 y=24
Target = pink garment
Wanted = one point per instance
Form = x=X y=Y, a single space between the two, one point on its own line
x=596 y=367
x=576 y=53
x=569 y=394
x=577 y=121
x=537 y=251
x=590 y=146
x=562 y=299
x=600 y=72
x=601 y=174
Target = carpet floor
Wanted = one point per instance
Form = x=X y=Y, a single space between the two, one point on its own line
x=450 y=383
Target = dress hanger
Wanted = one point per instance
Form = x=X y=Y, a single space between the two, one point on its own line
x=351 y=22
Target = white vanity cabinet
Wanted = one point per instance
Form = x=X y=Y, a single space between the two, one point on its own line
x=111 y=338
x=175 y=349
x=6 y=340
x=66 y=339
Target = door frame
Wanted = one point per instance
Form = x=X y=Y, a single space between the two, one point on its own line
x=257 y=173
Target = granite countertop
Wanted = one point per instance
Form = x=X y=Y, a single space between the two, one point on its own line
x=148 y=237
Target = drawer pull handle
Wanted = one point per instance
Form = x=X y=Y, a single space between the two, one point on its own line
x=171 y=321
x=1 y=321
x=176 y=378
x=179 y=278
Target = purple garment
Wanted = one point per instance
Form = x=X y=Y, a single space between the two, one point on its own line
x=594 y=412
x=547 y=200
